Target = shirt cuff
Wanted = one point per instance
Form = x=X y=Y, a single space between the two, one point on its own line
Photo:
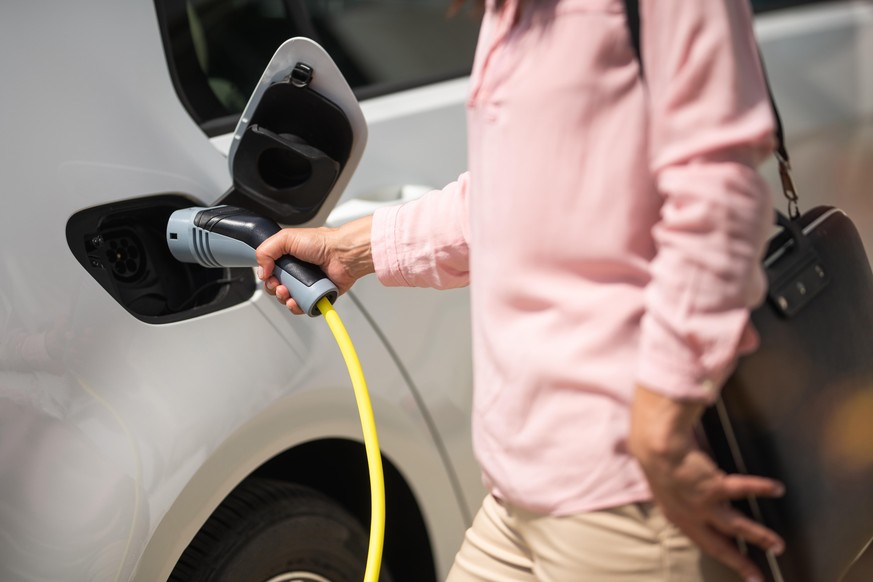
x=683 y=370
x=384 y=247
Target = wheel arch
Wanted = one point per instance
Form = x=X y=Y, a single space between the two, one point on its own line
x=345 y=479
x=329 y=459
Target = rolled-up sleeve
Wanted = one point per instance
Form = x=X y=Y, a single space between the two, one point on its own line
x=710 y=126
x=424 y=243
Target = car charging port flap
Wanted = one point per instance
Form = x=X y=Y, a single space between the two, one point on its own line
x=291 y=153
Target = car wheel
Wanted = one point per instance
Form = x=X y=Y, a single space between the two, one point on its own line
x=273 y=531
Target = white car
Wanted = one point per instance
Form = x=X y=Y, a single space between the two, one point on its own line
x=164 y=421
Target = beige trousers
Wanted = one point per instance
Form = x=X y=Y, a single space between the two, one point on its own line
x=630 y=543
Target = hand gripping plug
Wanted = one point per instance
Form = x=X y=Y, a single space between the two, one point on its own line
x=227 y=236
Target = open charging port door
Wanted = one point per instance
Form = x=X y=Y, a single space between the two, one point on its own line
x=299 y=139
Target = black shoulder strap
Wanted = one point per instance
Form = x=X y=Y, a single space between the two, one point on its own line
x=632 y=13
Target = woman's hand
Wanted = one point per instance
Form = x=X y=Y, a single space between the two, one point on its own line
x=342 y=253
x=691 y=490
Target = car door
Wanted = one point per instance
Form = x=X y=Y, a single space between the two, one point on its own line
x=407 y=64
x=123 y=372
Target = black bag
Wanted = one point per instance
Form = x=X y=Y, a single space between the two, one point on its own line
x=800 y=409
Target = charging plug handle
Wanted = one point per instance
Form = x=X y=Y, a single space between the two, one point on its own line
x=253 y=229
x=228 y=236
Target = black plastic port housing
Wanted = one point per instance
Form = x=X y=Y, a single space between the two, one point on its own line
x=123 y=246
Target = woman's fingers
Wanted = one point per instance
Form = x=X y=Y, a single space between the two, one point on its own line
x=734 y=524
x=284 y=298
x=725 y=551
x=736 y=486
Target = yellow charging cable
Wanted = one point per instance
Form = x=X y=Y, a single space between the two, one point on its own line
x=371 y=440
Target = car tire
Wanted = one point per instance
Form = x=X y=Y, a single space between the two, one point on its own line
x=273 y=531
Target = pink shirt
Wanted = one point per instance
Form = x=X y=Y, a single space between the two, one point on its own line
x=610 y=230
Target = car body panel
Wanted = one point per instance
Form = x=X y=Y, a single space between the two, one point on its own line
x=100 y=438
x=325 y=410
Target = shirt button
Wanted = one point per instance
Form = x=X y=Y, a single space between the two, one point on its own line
x=708 y=385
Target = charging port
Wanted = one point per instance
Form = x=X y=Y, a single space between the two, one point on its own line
x=122 y=246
